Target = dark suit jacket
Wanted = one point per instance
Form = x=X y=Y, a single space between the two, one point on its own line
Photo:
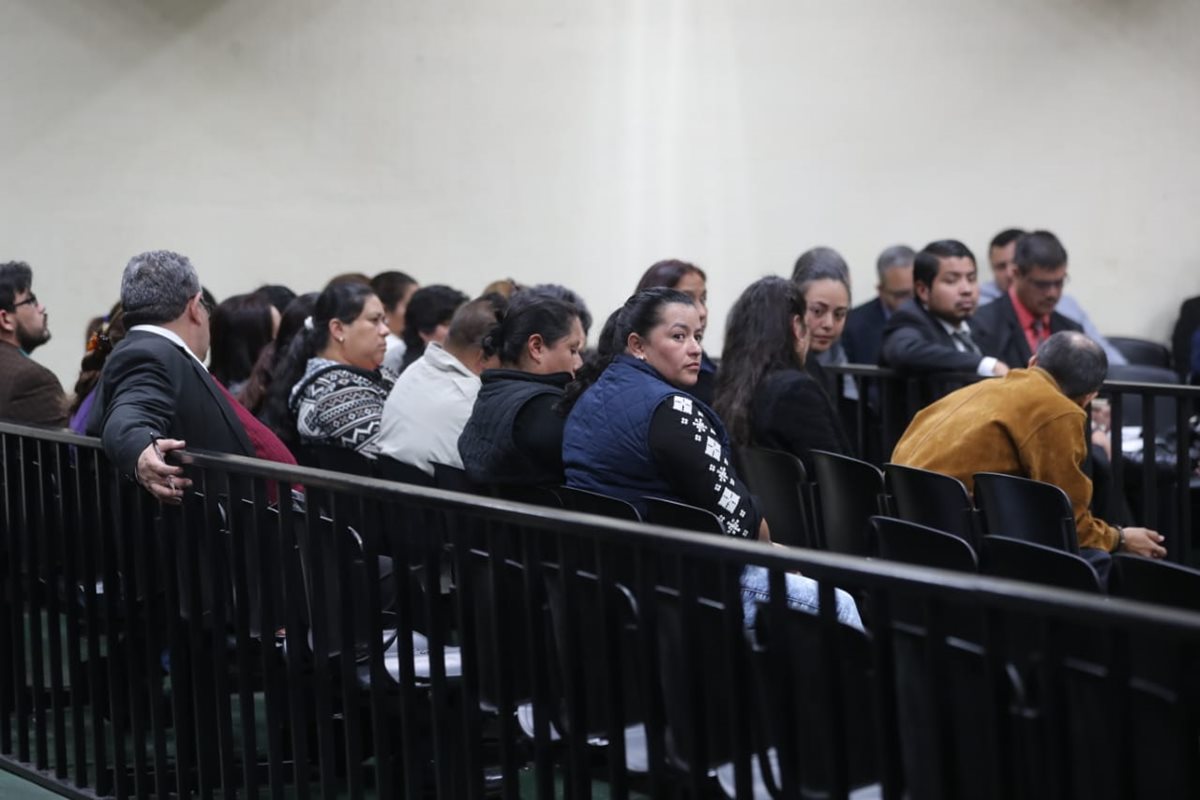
x=152 y=388
x=864 y=332
x=791 y=412
x=29 y=392
x=999 y=334
x=914 y=341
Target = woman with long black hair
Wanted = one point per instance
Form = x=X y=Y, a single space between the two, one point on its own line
x=764 y=394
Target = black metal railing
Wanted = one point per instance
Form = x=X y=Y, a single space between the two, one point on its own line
x=291 y=632
x=1150 y=481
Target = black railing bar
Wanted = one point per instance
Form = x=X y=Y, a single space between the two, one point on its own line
x=1157 y=389
x=869 y=573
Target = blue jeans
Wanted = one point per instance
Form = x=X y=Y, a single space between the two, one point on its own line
x=801 y=594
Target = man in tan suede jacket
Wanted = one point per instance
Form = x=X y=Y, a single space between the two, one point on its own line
x=1029 y=423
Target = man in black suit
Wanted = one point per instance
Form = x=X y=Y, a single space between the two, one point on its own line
x=1012 y=326
x=154 y=394
x=864 y=324
x=930 y=333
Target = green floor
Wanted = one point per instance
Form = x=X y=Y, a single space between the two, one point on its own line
x=13 y=788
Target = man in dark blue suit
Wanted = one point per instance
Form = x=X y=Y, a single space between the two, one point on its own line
x=864 y=325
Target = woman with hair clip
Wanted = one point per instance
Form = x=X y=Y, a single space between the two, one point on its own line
x=101 y=342
x=634 y=431
x=514 y=435
x=329 y=389
x=763 y=393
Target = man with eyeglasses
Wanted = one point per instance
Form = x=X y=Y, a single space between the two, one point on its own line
x=1012 y=326
x=864 y=324
x=1002 y=253
x=29 y=392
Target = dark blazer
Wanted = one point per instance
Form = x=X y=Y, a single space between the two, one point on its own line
x=791 y=412
x=999 y=334
x=29 y=392
x=863 y=333
x=914 y=341
x=152 y=388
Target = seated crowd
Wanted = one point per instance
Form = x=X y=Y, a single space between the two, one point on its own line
x=501 y=386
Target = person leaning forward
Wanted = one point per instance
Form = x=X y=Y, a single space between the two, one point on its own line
x=1031 y=424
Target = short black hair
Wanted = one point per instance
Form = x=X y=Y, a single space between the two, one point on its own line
x=928 y=261
x=1039 y=249
x=15 y=277
x=277 y=295
x=1006 y=237
x=1075 y=362
x=391 y=286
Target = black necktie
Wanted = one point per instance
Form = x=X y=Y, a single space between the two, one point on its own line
x=964 y=338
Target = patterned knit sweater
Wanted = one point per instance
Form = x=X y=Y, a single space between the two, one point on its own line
x=336 y=404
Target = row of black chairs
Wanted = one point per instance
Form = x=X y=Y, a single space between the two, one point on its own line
x=1025 y=528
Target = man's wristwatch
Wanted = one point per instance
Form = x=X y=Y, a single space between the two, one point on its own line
x=1120 y=538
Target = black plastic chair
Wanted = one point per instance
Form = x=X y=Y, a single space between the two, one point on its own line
x=781 y=487
x=673 y=514
x=1025 y=509
x=1138 y=578
x=586 y=502
x=1142 y=351
x=850 y=493
x=393 y=470
x=901 y=540
x=1133 y=404
x=454 y=479
x=1005 y=557
x=338 y=459
x=932 y=499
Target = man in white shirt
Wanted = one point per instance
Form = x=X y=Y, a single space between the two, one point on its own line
x=432 y=400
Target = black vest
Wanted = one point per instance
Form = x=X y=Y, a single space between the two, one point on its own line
x=489 y=452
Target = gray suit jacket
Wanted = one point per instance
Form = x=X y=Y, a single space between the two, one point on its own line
x=29 y=392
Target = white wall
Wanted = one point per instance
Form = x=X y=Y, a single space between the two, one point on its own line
x=286 y=140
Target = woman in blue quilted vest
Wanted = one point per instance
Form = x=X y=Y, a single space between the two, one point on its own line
x=635 y=431
x=514 y=435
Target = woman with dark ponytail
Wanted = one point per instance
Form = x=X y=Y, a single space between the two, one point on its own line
x=637 y=431
x=329 y=389
x=764 y=394
x=514 y=435
x=102 y=341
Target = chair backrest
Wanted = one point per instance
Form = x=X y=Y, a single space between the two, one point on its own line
x=1142 y=351
x=337 y=459
x=932 y=499
x=454 y=479
x=781 y=487
x=1138 y=578
x=901 y=540
x=1005 y=557
x=674 y=514
x=1026 y=509
x=528 y=493
x=595 y=503
x=850 y=492
x=401 y=472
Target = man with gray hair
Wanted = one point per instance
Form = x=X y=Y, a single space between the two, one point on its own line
x=1029 y=423
x=155 y=395
x=864 y=325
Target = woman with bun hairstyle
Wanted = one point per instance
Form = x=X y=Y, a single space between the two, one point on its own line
x=764 y=394
x=329 y=389
x=514 y=435
x=635 y=431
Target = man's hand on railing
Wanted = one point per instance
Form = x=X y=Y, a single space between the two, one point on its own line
x=1143 y=542
x=157 y=476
